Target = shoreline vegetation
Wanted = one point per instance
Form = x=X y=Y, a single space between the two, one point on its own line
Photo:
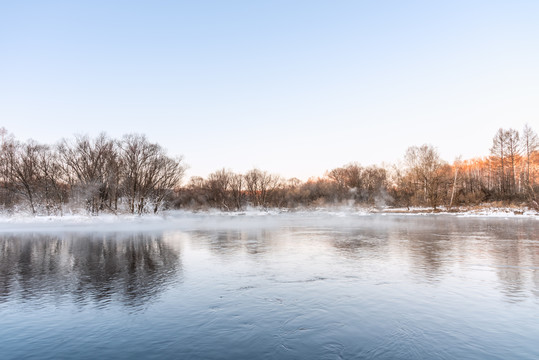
x=133 y=176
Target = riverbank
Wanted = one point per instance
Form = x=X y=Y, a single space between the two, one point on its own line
x=339 y=212
x=478 y=210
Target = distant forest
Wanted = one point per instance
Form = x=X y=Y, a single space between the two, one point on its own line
x=134 y=175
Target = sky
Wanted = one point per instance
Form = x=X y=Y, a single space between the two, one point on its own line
x=292 y=87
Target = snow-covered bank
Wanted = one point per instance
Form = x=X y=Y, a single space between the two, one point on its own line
x=501 y=212
x=469 y=212
x=252 y=218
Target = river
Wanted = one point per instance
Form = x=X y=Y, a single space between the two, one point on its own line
x=316 y=286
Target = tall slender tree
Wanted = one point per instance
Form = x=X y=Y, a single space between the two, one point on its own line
x=530 y=144
x=513 y=155
x=498 y=153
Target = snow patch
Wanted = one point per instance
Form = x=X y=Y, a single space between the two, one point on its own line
x=214 y=219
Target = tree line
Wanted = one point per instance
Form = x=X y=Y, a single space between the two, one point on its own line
x=509 y=174
x=130 y=175
x=134 y=175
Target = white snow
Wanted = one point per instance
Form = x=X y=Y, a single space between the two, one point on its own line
x=178 y=219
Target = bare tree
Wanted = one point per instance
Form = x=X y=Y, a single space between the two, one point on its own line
x=402 y=187
x=513 y=155
x=147 y=173
x=91 y=168
x=26 y=177
x=350 y=182
x=259 y=184
x=342 y=178
x=498 y=153
x=530 y=144
x=429 y=172
x=456 y=165
x=6 y=156
x=236 y=190
x=224 y=189
x=218 y=187
x=54 y=191
x=374 y=180
x=170 y=172
x=193 y=194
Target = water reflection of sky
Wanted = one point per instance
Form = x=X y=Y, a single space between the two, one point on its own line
x=132 y=268
x=408 y=287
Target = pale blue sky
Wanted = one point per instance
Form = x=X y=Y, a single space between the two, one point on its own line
x=293 y=87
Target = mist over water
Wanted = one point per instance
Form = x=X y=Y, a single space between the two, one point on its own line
x=278 y=286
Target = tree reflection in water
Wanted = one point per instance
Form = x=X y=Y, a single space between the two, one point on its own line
x=88 y=268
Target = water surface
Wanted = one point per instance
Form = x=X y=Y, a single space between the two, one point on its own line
x=275 y=287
